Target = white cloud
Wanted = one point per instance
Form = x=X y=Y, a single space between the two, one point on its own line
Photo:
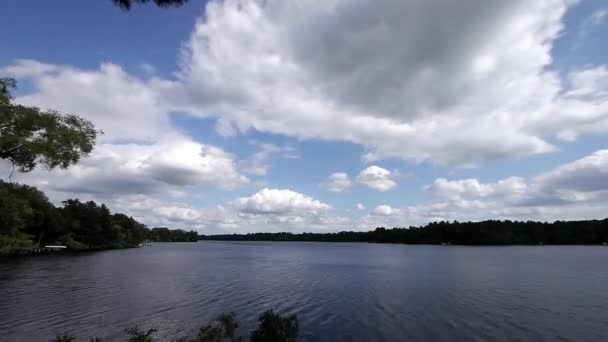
x=583 y=180
x=461 y=70
x=376 y=178
x=452 y=82
x=278 y=201
x=22 y=68
x=472 y=187
x=468 y=81
x=123 y=106
x=338 y=182
x=174 y=161
x=360 y=206
x=575 y=190
x=386 y=210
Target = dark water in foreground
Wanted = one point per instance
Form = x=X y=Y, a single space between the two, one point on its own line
x=340 y=292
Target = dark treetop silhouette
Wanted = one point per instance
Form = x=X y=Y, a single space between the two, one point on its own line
x=464 y=233
x=127 y=4
x=29 y=220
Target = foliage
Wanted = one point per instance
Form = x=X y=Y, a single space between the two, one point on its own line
x=6 y=84
x=164 y=234
x=21 y=209
x=222 y=329
x=28 y=219
x=126 y=4
x=272 y=327
x=138 y=335
x=29 y=136
x=491 y=232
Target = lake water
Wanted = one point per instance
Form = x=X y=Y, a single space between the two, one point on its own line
x=340 y=292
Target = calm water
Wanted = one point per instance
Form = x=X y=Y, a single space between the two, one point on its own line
x=340 y=292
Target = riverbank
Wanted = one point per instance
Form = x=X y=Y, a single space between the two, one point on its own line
x=485 y=233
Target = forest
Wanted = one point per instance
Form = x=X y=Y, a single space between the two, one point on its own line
x=28 y=220
x=492 y=232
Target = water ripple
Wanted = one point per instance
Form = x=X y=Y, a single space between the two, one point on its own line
x=340 y=292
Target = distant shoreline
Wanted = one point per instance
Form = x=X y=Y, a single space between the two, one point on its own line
x=484 y=233
x=411 y=244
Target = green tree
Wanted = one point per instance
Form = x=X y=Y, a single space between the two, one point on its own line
x=29 y=136
x=222 y=329
x=275 y=328
x=15 y=212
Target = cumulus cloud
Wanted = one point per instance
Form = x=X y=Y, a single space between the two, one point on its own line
x=386 y=210
x=338 y=182
x=472 y=187
x=583 y=180
x=278 y=201
x=360 y=206
x=174 y=161
x=123 y=106
x=333 y=71
x=376 y=178
x=575 y=190
x=22 y=68
x=468 y=81
x=451 y=82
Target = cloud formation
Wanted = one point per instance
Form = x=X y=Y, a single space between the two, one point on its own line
x=338 y=182
x=376 y=178
x=439 y=94
x=575 y=190
x=278 y=201
x=111 y=169
x=456 y=83
x=386 y=210
x=123 y=106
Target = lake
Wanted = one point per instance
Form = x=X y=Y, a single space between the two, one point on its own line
x=339 y=291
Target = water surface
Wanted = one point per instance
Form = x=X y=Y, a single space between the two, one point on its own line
x=339 y=291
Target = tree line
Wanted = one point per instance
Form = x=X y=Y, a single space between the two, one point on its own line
x=272 y=327
x=29 y=220
x=492 y=232
x=164 y=234
x=30 y=137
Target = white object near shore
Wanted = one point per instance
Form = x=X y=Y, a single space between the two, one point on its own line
x=55 y=247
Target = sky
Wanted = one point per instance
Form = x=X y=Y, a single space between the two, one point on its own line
x=321 y=116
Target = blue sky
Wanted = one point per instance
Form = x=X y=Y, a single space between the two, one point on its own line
x=232 y=116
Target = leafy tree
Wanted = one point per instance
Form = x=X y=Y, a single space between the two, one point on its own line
x=274 y=328
x=222 y=329
x=29 y=136
x=164 y=234
x=15 y=213
x=127 y=4
x=138 y=335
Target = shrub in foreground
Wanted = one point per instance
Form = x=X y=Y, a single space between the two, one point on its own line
x=272 y=327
